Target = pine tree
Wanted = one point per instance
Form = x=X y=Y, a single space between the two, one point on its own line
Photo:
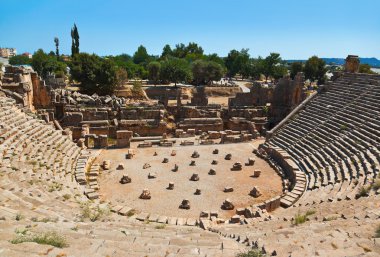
x=74 y=40
x=56 y=41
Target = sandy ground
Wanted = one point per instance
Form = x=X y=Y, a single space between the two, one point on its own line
x=166 y=202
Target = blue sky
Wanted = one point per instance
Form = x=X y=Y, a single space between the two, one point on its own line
x=293 y=28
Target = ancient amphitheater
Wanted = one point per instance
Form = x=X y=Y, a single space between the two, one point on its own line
x=109 y=180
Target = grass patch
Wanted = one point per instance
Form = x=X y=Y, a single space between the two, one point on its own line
x=251 y=253
x=55 y=187
x=47 y=238
x=363 y=192
x=131 y=213
x=161 y=226
x=376 y=184
x=93 y=213
x=66 y=197
x=310 y=212
x=302 y=218
x=377 y=232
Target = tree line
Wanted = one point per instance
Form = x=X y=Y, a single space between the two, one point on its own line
x=181 y=64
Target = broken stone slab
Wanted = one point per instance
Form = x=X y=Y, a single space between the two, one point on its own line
x=236 y=166
x=181 y=221
x=171 y=186
x=125 y=211
x=120 y=166
x=255 y=192
x=146 y=166
x=205 y=223
x=240 y=211
x=116 y=208
x=107 y=164
x=251 y=161
x=213 y=214
x=93 y=196
x=194 y=177
x=235 y=219
x=142 y=216
x=256 y=173
x=162 y=219
x=185 y=204
x=195 y=154
x=227 y=205
x=145 y=195
x=191 y=222
x=172 y=221
x=125 y=179
x=153 y=218
x=204 y=214
x=152 y=175
x=228 y=189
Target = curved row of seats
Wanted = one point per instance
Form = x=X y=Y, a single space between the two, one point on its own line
x=335 y=139
x=42 y=174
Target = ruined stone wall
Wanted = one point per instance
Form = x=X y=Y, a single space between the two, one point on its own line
x=287 y=95
x=197 y=112
x=222 y=91
x=259 y=95
x=41 y=94
x=144 y=127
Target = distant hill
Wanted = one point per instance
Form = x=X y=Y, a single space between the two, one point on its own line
x=373 y=62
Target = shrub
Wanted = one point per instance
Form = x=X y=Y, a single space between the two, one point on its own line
x=19 y=217
x=299 y=219
x=47 y=238
x=93 y=214
x=376 y=185
x=251 y=253
x=363 y=192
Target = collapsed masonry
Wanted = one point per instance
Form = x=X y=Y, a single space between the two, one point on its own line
x=100 y=121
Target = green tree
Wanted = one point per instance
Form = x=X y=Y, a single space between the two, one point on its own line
x=272 y=66
x=20 y=60
x=295 y=67
x=205 y=72
x=154 y=71
x=256 y=67
x=166 y=51
x=315 y=69
x=237 y=62
x=96 y=75
x=365 y=68
x=74 y=40
x=179 y=51
x=141 y=55
x=215 y=58
x=56 y=42
x=45 y=64
x=175 y=70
